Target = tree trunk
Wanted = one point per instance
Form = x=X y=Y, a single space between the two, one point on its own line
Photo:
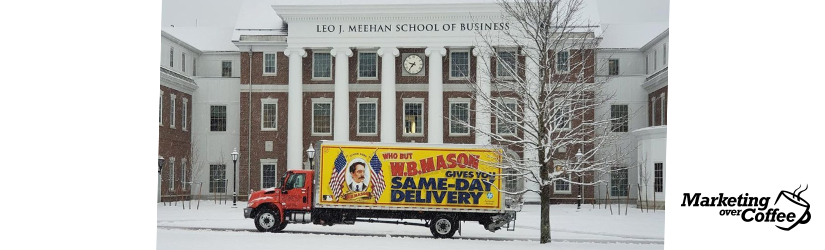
x=545 y=214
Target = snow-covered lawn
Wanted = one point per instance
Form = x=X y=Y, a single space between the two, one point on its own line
x=216 y=226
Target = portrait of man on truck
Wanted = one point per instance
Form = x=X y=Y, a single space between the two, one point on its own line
x=357 y=171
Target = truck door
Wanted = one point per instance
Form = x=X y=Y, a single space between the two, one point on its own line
x=297 y=192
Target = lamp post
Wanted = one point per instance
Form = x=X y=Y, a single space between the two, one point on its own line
x=160 y=167
x=234 y=176
x=310 y=154
x=579 y=156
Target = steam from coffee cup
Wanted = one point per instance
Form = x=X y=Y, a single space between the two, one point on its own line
x=792 y=202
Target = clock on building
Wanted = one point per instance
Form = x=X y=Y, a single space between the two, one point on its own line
x=413 y=64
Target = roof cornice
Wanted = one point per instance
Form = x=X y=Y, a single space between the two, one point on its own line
x=656 y=40
x=179 y=42
x=386 y=11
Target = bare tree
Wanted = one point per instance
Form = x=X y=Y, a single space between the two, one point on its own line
x=546 y=105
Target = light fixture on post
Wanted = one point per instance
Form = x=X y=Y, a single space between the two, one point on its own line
x=160 y=167
x=234 y=176
x=579 y=157
x=310 y=155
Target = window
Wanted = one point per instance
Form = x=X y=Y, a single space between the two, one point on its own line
x=655 y=59
x=185 y=117
x=171 y=57
x=160 y=109
x=296 y=181
x=512 y=181
x=269 y=114
x=561 y=186
x=413 y=118
x=664 y=54
x=652 y=120
x=217 y=178
x=269 y=174
x=172 y=108
x=459 y=64
x=662 y=110
x=647 y=67
x=561 y=115
x=618 y=118
x=183 y=174
x=367 y=118
x=322 y=117
x=613 y=67
x=217 y=118
x=506 y=118
x=618 y=182
x=270 y=63
x=226 y=69
x=183 y=61
x=506 y=63
x=459 y=118
x=367 y=65
x=658 y=177
x=194 y=66
x=171 y=174
x=321 y=65
x=563 y=61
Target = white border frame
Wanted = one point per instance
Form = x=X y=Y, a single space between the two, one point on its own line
x=569 y=126
x=404 y=102
x=230 y=68
x=268 y=162
x=172 y=101
x=515 y=67
x=358 y=116
x=358 y=65
x=556 y=62
x=450 y=64
x=160 y=112
x=264 y=102
x=507 y=100
x=183 y=61
x=618 y=66
x=185 y=118
x=663 y=177
x=569 y=176
x=450 y=103
x=226 y=111
x=183 y=174
x=331 y=64
x=263 y=63
x=171 y=173
x=312 y=116
x=628 y=117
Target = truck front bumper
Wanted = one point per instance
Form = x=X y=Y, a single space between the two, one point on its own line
x=247 y=212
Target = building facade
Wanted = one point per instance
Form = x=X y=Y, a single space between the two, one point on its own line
x=383 y=73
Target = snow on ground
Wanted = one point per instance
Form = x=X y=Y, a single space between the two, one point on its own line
x=216 y=226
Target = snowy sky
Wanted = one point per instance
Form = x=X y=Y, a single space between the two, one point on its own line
x=223 y=13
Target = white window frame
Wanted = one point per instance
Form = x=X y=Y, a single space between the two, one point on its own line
x=653 y=111
x=183 y=174
x=654 y=177
x=655 y=59
x=269 y=162
x=358 y=114
x=194 y=66
x=569 y=177
x=226 y=118
x=171 y=173
x=450 y=114
x=331 y=116
x=618 y=66
x=662 y=109
x=647 y=64
x=183 y=62
x=160 y=112
x=275 y=65
x=269 y=101
x=404 y=114
x=185 y=118
x=556 y=62
x=358 y=67
x=450 y=64
x=230 y=68
x=626 y=121
x=506 y=101
x=331 y=59
x=664 y=54
x=616 y=171
x=569 y=124
x=515 y=66
x=172 y=102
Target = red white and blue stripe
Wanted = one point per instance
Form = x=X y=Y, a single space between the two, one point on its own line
x=338 y=175
x=377 y=177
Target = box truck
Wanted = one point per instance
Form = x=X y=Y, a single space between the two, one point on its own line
x=431 y=185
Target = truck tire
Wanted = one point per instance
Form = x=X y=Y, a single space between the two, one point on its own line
x=443 y=226
x=283 y=225
x=268 y=220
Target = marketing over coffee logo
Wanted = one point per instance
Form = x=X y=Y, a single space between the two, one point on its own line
x=787 y=211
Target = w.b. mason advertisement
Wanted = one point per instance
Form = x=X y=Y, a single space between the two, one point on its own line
x=399 y=176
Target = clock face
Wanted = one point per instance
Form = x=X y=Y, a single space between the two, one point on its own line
x=413 y=64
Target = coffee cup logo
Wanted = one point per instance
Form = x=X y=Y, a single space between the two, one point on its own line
x=793 y=202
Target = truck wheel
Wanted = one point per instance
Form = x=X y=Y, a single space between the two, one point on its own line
x=283 y=225
x=443 y=226
x=268 y=220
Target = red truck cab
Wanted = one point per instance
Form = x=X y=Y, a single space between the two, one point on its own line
x=270 y=207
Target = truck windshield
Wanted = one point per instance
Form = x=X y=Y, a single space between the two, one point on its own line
x=295 y=181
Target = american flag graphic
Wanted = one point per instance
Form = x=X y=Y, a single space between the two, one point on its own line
x=377 y=177
x=338 y=175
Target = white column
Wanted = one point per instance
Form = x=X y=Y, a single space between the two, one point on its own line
x=435 y=133
x=294 y=138
x=340 y=116
x=532 y=68
x=482 y=96
x=388 y=128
